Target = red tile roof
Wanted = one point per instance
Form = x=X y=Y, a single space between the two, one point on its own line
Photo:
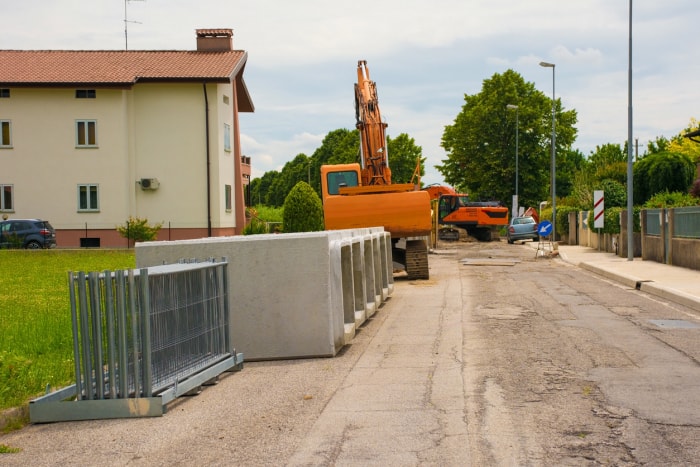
x=116 y=68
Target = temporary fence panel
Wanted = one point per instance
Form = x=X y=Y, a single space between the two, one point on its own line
x=142 y=338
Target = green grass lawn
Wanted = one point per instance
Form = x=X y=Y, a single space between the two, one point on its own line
x=36 y=340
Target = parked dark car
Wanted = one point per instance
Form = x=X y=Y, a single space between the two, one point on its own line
x=27 y=233
x=522 y=228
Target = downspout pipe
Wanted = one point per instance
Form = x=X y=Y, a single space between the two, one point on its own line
x=206 y=130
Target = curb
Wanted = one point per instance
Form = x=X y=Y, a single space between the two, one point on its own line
x=669 y=293
x=647 y=286
x=629 y=281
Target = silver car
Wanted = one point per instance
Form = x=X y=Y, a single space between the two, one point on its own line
x=522 y=228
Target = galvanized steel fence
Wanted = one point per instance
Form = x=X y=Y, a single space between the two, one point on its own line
x=149 y=335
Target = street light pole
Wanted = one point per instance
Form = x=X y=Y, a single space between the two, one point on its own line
x=630 y=191
x=516 y=200
x=554 y=163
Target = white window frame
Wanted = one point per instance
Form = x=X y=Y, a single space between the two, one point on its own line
x=86 y=133
x=3 y=188
x=6 y=144
x=89 y=187
x=227 y=137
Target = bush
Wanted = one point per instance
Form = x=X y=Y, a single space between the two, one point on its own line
x=676 y=199
x=13 y=241
x=695 y=189
x=303 y=211
x=255 y=226
x=139 y=230
x=268 y=213
x=263 y=219
x=611 y=220
x=562 y=223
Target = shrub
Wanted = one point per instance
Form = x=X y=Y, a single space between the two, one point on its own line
x=695 y=189
x=676 y=199
x=303 y=211
x=13 y=241
x=562 y=223
x=256 y=225
x=139 y=230
x=263 y=219
x=611 y=220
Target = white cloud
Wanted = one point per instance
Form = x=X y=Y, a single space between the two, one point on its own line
x=424 y=56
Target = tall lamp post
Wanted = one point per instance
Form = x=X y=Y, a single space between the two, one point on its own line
x=554 y=164
x=630 y=191
x=516 y=200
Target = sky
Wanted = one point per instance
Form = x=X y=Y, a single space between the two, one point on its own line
x=423 y=55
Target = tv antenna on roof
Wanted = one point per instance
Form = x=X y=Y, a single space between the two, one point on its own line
x=126 y=23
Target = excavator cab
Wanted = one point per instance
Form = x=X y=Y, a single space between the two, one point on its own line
x=337 y=180
x=450 y=203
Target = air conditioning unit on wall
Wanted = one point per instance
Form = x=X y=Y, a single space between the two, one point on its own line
x=149 y=183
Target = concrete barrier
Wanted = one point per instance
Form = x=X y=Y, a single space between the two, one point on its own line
x=293 y=295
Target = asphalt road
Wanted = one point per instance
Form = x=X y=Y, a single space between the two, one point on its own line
x=498 y=359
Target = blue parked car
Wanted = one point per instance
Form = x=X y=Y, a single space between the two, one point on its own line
x=33 y=234
x=522 y=228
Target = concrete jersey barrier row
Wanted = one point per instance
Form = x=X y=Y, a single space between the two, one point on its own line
x=293 y=295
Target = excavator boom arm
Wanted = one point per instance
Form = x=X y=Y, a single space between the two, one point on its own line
x=375 y=166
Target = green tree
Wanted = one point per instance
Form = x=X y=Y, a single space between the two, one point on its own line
x=403 y=156
x=605 y=165
x=569 y=163
x=615 y=193
x=260 y=187
x=480 y=144
x=660 y=144
x=662 y=171
x=687 y=146
x=340 y=146
x=303 y=211
x=609 y=161
x=293 y=172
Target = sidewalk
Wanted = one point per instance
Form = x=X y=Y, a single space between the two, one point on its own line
x=677 y=284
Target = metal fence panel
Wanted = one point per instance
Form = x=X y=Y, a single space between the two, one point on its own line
x=686 y=222
x=140 y=334
x=653 y=222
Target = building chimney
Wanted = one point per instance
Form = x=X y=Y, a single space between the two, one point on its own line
x=214 y=40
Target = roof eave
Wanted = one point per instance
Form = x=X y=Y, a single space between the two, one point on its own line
x=244 y=100
x=35 y=84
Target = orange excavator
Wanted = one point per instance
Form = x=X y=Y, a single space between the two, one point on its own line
x=478 y=218
x=357 y=195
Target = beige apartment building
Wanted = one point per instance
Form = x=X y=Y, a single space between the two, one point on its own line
x=90 y=138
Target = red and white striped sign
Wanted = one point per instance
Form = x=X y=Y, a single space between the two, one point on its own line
x=598 y=209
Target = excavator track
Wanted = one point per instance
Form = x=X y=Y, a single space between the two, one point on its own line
x=417 y=259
